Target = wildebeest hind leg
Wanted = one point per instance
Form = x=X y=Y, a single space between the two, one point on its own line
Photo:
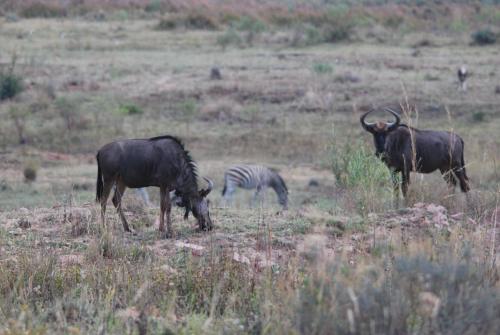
x=165 y=206
x=104 y=199
x=462 y=178
x=117 y=202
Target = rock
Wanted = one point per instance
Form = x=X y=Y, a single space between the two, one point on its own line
x=241 y=258
x=313 y=182
x=429 y=304
x=196 y=250
x=24 y=223
x=215 y=74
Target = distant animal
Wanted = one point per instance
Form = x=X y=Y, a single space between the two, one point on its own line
x=254 y=177
x=215 y=74
x=462 y=77
x=158 y=161
x=404 y=149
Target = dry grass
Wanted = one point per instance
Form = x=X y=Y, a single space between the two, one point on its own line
x=331 y=264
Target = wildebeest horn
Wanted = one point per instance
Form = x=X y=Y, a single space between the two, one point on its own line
x=391 y=126
x=367 y=126
x=210 y=183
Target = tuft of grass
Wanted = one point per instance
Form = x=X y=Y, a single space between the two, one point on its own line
x=30 y=173
x=478 y=116
x=130 y=109
x=196 y=20
x=364 y=175
x=43 y=9
x=229 y=37
x=322 y=68
x=484 y=37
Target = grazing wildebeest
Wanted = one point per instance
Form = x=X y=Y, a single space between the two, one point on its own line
x=159 y=161
x=462 y=77
x=404 y=149
x=254 y=176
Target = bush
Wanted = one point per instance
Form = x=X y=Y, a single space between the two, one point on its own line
x=230 y=37
x=40 y=9
x=10 y=86
x=413 y=295
x=30 y=172
x=192 y=20
x=130 y=109
x=484 y=37
x=478 y=116
x=322 y=68
x=365 y=175
x=250 y=24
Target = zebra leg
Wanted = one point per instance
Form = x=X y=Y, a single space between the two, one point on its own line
x=228 y=192
x=256 y=195
x=144 y=195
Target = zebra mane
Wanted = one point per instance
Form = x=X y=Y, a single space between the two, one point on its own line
x=282 y=182
x=187 y=156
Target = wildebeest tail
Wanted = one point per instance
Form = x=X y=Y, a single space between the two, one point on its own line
x=463 y=161
x=99 y=183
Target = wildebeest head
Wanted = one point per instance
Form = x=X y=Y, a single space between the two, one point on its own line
x=380 y=130
x=199 y=205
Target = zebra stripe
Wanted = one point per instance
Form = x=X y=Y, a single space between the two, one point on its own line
x=254 y=177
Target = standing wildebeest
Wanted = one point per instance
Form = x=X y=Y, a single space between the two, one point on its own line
x=159 y=161
x=404 y=149
x=254 y=176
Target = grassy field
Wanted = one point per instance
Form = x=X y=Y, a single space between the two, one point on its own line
x=346 y=258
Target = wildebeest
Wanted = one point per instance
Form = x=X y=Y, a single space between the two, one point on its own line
x=462 y=77
x=159 y=161
x=404 y=149
x=256 y=177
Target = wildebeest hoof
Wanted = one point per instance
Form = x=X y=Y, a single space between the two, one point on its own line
x=168 y=234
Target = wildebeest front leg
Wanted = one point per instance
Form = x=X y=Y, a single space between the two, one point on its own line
x=405 y=181
x=165 y=206
x=395 y=186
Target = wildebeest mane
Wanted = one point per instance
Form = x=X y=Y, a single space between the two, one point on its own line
x=187 y=155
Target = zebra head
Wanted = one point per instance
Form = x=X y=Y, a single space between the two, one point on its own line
x=279 y=186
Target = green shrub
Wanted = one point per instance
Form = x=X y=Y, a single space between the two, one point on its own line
x=130 y=109
x=229 y=37
x=322 y=68
x=484 y=37
x=153 y=6
x=478 y=116
x=191 y=20
x=365 y=175
x=250 y=24
x=30 y=172
x=10 y=85
x=189 y=109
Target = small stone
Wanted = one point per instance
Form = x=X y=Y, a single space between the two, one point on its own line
x=24 y=223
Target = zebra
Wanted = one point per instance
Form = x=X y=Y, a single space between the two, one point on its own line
x=254 y=176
